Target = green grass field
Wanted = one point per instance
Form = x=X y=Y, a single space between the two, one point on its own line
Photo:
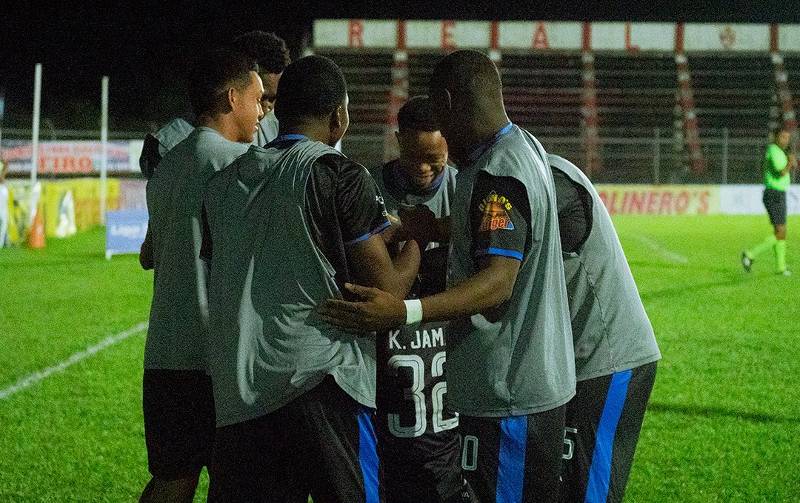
x=723 y=422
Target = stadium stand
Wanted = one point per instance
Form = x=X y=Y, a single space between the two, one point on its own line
x=369 y=77
x=737 y=97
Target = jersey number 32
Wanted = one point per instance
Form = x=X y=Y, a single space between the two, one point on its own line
x=417 y=393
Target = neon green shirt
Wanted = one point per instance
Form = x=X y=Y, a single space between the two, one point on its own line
x=775 y=161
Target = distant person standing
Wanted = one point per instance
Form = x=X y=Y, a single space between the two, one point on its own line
x=777 y=165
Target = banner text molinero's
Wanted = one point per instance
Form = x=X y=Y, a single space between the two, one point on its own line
x=660 y=199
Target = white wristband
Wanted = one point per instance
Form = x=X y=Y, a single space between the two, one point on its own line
x=413 y=311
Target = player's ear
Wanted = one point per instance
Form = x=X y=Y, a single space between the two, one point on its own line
x=232 y=98
x=336 y=118
x=338 y=122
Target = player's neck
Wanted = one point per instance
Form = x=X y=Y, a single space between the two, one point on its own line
x=485 y=129
x=311 y=130
x=222 y=124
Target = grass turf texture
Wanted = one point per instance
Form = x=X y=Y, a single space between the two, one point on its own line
x=722 y=425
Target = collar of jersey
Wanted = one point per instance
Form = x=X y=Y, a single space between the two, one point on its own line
x=287 y=137
x=479 y=150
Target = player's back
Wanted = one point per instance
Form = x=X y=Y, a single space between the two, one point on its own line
x=611 y=330
x=267 y=276
x=174 y=199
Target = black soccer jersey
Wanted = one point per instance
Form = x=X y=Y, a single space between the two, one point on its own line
x=417 y=435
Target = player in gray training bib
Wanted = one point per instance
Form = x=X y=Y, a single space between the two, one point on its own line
x=287 y=227
x=270 y=53
x=510 y=363
x=272 y=57
x=177 y=394
x=615 y=348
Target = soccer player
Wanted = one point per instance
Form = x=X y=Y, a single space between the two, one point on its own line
x=177 y=396
x=417 y=439
x=510 y=363
x=615 y=349
x=270 y=53
x=286 y=227
x=777 y=167
x=157 y=144
x=272 y=57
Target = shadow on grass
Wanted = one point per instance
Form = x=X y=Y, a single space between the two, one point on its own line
x=670 y=266
x=695 y=288
x=694 y=410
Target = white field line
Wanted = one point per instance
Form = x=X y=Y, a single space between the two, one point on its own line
x=661 y=250
x=34 y=378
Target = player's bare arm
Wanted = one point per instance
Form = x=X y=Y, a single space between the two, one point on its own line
x=482 y=293
x=373 y=267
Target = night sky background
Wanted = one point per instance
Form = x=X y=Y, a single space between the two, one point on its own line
x=144 y=46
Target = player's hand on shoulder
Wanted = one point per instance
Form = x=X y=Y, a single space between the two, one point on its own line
x=375 y=310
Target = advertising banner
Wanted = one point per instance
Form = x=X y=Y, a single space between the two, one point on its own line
x=660 y=199
x=72 y=157
x=746 y=200
x=125 y=231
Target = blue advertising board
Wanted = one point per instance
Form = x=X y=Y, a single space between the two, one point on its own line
x=125 y=231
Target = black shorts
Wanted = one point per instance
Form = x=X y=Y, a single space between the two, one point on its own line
x=179 y=422
x=514 y=458
x=602 y=429
x=775 y=202
x=322 y=443
x=426 y=468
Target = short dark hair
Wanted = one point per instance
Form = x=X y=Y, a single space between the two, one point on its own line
x=417 y=115
x=311 y=87
x=212 y=74
x=266 y=48
x=470 y=74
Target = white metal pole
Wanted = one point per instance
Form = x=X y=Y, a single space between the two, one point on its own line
x=104 y=143
x=37 y=103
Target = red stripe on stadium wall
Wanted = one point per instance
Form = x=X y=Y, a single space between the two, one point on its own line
x=679 y=30
x=587 y=36
x=494 y=36
x=398 y=93
x=773 y=38
x=447 y=35
x=633 y=49
x=401 y=35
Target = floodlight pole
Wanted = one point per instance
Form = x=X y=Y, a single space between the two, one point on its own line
x=37 y=104
x=104 y=147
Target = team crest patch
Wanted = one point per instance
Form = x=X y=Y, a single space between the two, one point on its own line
x=495 y=210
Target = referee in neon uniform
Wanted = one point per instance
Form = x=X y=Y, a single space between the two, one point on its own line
x=777 y=166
